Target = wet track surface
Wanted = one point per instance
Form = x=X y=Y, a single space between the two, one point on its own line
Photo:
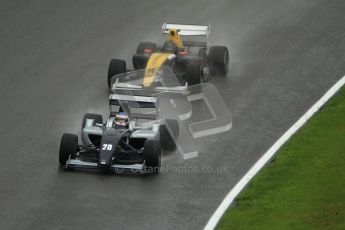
x=54 y=57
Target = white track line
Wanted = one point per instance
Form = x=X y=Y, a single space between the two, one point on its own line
x=211 y=224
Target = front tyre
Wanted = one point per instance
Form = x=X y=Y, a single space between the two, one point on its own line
x=116 y=66
x=68 y=148
x=152 y=156
x=218 y=59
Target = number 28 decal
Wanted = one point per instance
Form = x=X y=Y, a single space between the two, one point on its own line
x=107 y=147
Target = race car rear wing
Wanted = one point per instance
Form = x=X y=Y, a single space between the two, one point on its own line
x=129 y=102
x=126 y=96
x=187 y=30
x=141 y=101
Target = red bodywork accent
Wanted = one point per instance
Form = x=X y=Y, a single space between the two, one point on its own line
x=183 y=53
x=147 y=51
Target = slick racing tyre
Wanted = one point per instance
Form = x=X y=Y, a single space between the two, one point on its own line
x=193 y=74
x=68 y=147
x=116 y=66
x=218 y=59
x=152 y=156
x=169 y=131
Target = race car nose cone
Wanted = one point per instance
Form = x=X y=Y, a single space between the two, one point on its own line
x=103 y=164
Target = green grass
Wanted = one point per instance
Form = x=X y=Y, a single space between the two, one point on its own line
x=304 y=186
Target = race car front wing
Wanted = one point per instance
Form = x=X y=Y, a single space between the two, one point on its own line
x=75 y=163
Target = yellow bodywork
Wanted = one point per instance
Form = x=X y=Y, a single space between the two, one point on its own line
x=156 y=60
x=174 y=37
x=153 y=65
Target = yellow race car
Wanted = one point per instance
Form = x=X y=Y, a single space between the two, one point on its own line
x=185 y=49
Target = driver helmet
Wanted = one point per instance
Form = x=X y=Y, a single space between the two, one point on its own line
x=121 y=120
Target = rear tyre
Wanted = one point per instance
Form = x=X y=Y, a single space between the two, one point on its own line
x=116 y=66
x=149 y=47
x=193 y=75
x=152 y=156
x=218 y=58
x=68 y=148
x=169 y=131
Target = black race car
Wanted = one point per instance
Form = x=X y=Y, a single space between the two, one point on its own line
x=132 y=137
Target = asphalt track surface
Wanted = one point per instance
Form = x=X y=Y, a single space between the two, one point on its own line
x=54 y=56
